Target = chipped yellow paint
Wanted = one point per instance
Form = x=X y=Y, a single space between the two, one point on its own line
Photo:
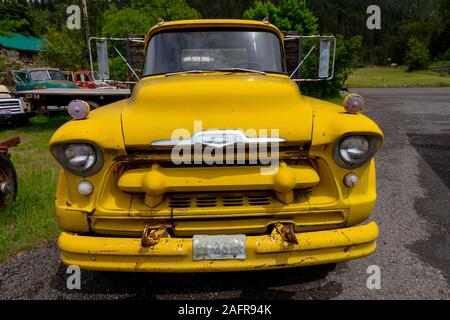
x=323 y=218
x=157 y=181
x=175 y=254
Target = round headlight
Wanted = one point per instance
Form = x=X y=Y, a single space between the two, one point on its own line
x=82 y=159
x=80 y=156
x=355 y=151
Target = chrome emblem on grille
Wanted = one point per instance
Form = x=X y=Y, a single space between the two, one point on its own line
x=217 y=139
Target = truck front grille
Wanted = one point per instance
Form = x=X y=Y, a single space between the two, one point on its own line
x=243 y=210
x=220 y=200
x=247 y=157
x=10 y=106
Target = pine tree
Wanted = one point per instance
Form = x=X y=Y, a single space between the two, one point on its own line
x=417 y=55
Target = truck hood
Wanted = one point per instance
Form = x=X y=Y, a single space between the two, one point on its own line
x=53 y=84
x=161 y=108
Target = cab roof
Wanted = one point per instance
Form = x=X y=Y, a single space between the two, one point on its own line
x=39 y=69
x=205 y=23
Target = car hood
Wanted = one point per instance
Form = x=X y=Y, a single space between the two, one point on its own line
x=162 y=108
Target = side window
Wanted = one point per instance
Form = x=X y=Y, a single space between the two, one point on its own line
x=20 y=76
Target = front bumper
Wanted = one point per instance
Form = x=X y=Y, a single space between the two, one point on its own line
x=175 y=254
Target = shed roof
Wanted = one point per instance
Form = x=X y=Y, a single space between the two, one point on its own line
x=20 y=42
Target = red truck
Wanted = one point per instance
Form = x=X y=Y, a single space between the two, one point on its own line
x=83 y=79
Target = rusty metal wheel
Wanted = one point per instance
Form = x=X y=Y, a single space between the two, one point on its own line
x=8 y=181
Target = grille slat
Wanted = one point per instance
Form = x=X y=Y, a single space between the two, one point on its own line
x=217 y=200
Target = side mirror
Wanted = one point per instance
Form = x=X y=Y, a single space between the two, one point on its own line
x=321 y=63
x=324 y=58
x=102 y=59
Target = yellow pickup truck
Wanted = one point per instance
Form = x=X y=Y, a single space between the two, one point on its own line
x=216 y=162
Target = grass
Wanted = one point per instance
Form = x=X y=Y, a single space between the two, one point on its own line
x=31 y=219
x=385 y=77
x=440 y=64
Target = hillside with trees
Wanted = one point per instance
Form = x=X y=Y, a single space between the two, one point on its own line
x=412 y=32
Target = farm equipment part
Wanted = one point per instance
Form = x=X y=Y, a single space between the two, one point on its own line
x=8 y=175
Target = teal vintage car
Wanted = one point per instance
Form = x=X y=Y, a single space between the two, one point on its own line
x=40 y=78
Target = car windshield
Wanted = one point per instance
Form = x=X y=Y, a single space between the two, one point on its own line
x=194 y=50
x=42 y=75
x=56 y=75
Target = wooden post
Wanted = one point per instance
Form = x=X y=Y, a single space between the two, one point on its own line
x=86 y=20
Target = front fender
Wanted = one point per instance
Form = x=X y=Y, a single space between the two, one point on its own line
x=103 y=127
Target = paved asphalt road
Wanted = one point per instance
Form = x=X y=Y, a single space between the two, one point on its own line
x=413 y=213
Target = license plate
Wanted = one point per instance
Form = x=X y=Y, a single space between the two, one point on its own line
x=230 y=247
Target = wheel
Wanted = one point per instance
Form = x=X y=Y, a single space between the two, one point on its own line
x=8 y=181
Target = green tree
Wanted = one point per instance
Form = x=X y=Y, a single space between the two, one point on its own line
x=441 y=42
x=347 y=57
x=16 y=16
x=7 y=64
x=417 y=55
x=125 y=21
x=65 y=49
x=294 y=15
x=289 y=15
x=136 y=19
x=445 y=56
x=232 y=9
x=141 y=15
x=299 y=16
x=169 y=10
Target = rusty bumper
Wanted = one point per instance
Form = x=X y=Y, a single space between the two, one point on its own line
x=8 y=143
x=175 y=254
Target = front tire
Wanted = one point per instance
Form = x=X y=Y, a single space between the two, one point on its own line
x=8 y=181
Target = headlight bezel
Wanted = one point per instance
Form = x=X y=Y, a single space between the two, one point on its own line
x=374 y=145
x=59 y=152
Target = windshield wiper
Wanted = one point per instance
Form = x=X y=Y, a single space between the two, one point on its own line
x=215 y=70
x=240 y=70
x=188 y=71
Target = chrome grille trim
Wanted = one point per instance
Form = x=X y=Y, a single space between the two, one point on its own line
x=212 y=200
x=11 y=106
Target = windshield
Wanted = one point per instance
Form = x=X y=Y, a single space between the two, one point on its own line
x=42 y=75
x=188 y=50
